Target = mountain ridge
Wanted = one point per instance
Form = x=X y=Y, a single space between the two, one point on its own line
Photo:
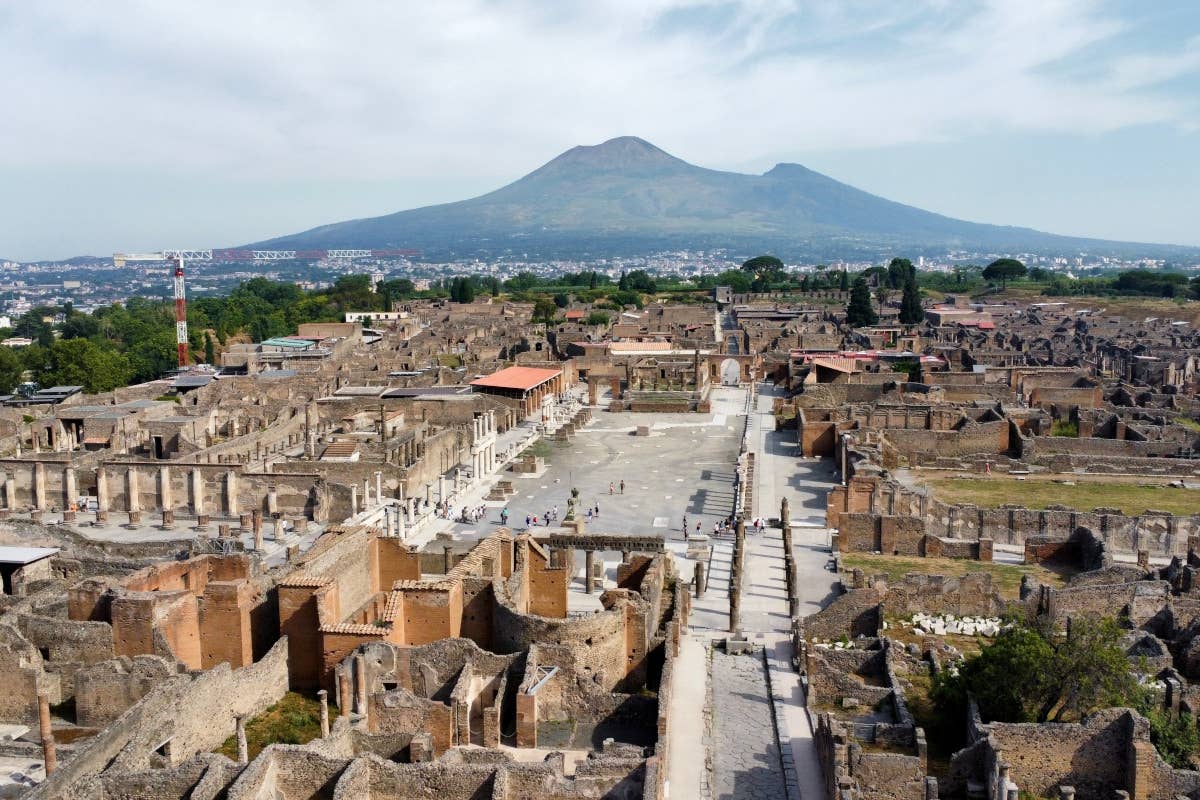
x=628 y=195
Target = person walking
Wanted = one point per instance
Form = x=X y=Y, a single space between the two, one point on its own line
x=597 y=509
x=610 y=487
x=504 y=516
x=622 y=486
x=697 y=528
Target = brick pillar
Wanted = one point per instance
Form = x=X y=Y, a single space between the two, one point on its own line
x=589 y=560
x=49 y=754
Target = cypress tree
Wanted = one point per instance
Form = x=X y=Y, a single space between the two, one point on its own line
x=860 y=312
x=911 y=312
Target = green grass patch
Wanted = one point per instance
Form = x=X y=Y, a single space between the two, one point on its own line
x=539 y=449
x=1062 y=427
x=1131 y=498
x=1005 y=577
x=1189 y=423
x=450 y=360
x=295 y=719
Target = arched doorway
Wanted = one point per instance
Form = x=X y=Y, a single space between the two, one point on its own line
x=731 y=372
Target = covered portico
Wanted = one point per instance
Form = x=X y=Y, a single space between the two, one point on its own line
x=526 y=388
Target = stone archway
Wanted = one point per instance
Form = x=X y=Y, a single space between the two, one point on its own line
x=731 y=372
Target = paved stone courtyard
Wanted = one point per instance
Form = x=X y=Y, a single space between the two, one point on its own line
x=745 y=750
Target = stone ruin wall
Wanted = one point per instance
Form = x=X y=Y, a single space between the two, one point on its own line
x=182 y=716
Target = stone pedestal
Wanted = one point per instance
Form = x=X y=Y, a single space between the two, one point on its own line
x=168 y=518
x=68 y=516
x=135 y=518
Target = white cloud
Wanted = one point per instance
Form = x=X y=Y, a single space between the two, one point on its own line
x=375 y=90
x=386 y=88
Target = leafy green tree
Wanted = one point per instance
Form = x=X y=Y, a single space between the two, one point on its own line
x=1004 y=270
x=1038 y=675
x=860 y=312
x=521 y=281
x=11 y=369
x=561 y=300
x=151 y=357
x=911 y=312
x=353 y=293
x=844 y=281
x=33 y=325
x=898 y=271
x=765 y=269
x=81 y=362
x=735 y=279
x=544 y=310
x=596 y=318
x=637 y=281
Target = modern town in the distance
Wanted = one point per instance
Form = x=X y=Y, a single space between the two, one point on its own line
x=686 y=400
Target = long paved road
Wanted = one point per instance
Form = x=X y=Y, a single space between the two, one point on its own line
x=757 y=749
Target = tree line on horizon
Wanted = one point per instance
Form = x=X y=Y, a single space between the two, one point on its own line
x=134 y=341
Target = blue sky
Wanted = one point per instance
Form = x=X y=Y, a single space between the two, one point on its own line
x=131 y=125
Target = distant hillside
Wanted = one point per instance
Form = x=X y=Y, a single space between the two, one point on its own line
x=626 y=195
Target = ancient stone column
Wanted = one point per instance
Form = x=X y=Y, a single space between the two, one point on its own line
x=400 y=532
x=243 y=749
x=589 y=560
x=70 y=487
x=132 y=500
x=49 y=755
x=323 y=697
x=164 y=488
x=258 y=537
x=389 y=525
x=101 y=494
x=10 y=491
x=39 y=486
x=412 y=510
x=360 y=674
x=698 y=579
x=272 y=501
x=197 y=492
x=231 y=493
x=441 y=488
x=446 y=558
x=343 y=687
x=353 y=499
x=378 y=486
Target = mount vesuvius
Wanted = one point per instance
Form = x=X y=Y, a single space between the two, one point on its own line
x=627 y=196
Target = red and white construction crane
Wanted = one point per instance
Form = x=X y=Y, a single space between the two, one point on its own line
x=177 y=257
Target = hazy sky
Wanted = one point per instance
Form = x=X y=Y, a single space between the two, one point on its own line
x=134 y=125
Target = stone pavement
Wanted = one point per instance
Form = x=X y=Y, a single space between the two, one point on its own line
x=746 y=758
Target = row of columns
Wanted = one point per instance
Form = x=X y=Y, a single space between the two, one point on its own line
x=133 y=482
x=483 y=450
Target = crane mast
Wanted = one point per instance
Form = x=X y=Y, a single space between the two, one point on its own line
x=181 y=331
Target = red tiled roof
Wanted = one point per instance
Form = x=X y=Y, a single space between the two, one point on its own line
x=574 y=314
x=523 y=378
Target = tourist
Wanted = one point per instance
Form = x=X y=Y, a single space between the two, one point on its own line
x=527 y=520
x=697 y=528
x=622 y=486
x=504 y=516
x=610 y=487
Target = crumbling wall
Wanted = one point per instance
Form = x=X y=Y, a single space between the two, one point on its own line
x=105 y=691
